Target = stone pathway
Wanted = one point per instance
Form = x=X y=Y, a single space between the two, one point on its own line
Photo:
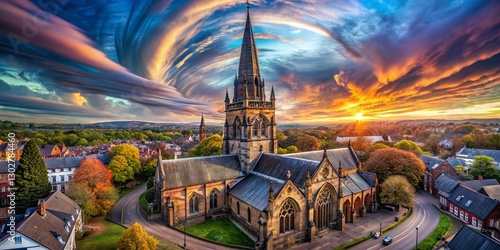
x=362 y=227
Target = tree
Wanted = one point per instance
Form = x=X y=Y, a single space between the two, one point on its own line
x=360 y=144
x=397 y=190
x=464 y=176
x=484 y=166
x=32 y=181
x=408 y=145
x=81 y=195
x=495 y=140
x=131 y=156
x=121 y=170
x=93 y=176
x=211 y=145
x=281 y=151
x=392 y=161
x=307 y=143
x=292 y=149
x=135 y=237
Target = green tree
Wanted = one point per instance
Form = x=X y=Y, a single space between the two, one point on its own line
x=212 y=145
x=464 y=176
x=281 y=151
x=393 y=161
x=82 y=142
x=397 y=190
x=484 y=166
x=376 y=146
x=82 y=196
x=494 y=140
x=131 y=155
x=292 y=149
x=135 y=237
x=408 y=145
x=121 y=170
x=32 y=181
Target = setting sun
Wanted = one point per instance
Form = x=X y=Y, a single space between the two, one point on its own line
x=359 y=117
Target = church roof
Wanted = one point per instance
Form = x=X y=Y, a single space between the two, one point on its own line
x=199 y=170
x=249 y=64
x=254 y=190
x=277 y=166
x=335 y=156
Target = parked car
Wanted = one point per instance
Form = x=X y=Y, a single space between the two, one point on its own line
x=387 y=240
x=376 y=235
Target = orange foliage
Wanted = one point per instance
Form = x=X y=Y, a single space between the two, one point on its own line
x=93 y=174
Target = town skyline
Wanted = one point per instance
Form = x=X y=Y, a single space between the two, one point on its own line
x=170 y=61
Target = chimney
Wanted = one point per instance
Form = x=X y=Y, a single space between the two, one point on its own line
x=41 y=207
x=480 y=177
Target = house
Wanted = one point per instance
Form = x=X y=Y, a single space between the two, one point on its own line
x=454 y=162
x=281 y=199
x=474 y=208
x=6 y=150
x=468 y=155
x=370 y=139
x=434 y=167
x=51 y=226
x=50 y=151
x=445 y=184
x=470 y=238
x=491 y=191
x=476 y=185
x=446 y=143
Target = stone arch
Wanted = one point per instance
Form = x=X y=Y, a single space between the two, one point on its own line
x=368 y=201
x=194 y=203
x=346 y=208
x=289 y=213
x=215 y=197
x=357 y=206
x=325 y=206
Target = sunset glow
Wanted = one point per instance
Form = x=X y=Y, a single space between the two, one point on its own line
x=359 y=117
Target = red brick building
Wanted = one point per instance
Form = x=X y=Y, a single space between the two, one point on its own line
x=434 y=167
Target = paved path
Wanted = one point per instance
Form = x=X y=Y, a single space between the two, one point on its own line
x=132 y=212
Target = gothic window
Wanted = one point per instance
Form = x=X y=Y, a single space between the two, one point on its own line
x=238 y=207
x=213 y=199
x=193 y=205
x=287 y=217
x=324 y=208
x=249 y=215
x=263 y=128
x=255 y=129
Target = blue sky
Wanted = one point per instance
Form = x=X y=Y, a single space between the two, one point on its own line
x=168 y=61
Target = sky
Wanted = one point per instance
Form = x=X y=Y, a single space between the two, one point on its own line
x=76 y=61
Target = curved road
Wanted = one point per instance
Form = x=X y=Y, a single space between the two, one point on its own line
x=425 y=216
x=127 y=211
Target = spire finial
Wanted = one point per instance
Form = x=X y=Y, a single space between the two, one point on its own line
x=248 y=5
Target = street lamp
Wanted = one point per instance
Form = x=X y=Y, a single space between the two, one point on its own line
x=416 y=240
x=380 y=227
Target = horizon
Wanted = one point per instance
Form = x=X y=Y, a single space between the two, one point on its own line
x=329 y=63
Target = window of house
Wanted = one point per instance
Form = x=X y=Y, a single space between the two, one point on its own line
x=62 y=178
x=18 y=239
x=193 y=205
x=473 y=221
x=54 y=179
x=213 y=199
x=249 y=213
x=467 y=217
x=287 y=217
x=468 y=203
x=492 y=222
x=456 y=211
x=63 y=188
x=451 y=208
x=54 y=188
x=480 y=223
x=3 y=189
x=2 y=176
x=238 y=207
x=462 y=215
x=70 y=177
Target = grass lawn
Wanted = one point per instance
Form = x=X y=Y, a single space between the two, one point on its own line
x=106 y=237
x=221 y=230
x=441 y=229
x=166 y=245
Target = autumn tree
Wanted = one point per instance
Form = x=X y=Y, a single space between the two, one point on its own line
x=306 y=142
x=360 y=144
x=393 y=161
x=397 y=190
x=32 y=182
x=135 y=237
x=93 y=177
x=376 y=146
x=125 y=162
x=484 y=166
x=211 y=145
x=410 y=146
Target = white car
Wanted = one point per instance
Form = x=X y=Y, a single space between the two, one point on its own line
x=376 y=235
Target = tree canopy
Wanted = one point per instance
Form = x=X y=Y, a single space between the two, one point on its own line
x=392 y=161
x=483 y=165
x=397 y=190
x=135 y=237
x=211 y=145
x=408 y=145
x=32 y=181
x=125 y=162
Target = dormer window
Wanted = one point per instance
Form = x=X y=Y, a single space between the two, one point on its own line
x=468 y=203
x=72 y=218
x=459 y=197
x=59 y=238
x=67 y=228
x=18 y=240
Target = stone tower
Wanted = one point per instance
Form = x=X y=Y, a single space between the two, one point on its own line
x=250 y=126
x=203 y=132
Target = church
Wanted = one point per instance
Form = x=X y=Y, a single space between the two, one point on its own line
x=282 y=199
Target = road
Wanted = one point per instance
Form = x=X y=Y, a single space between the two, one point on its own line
x=127 y=211
x=425 y=216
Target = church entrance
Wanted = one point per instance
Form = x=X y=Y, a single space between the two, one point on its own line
x=347 y=211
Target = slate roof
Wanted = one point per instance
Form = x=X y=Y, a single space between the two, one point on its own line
x=468 y=238
x=457 y=162
x=480 y=205
x=46 y=150
x=44 y=230
x=3 y=147
x=344 y=155
x=446 y=183
x=199 y=170
x=4 y=166
x=370 y=178
x=478 y=184
x=254 y=189
x=492 y=191
x=472 y=152
x=277 y=166
x=431 y=162
x=72 y=162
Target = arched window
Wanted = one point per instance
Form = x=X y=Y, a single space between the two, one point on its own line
x=213 y=199
x=263 y=128
x=287 y=217
x=193 y=205
x=255 y=129
x=238 y=207
x=249 y=215
x=324 y=209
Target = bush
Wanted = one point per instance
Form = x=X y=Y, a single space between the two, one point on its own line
x=149 y=183
x=149 y=195
x=144 y=203
x=442 y=228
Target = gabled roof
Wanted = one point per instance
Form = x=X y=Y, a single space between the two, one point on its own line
x=431 y=162
x=478 y=184
x=453 y=161
x=277 y=166
x=478 y=204
x=254 y=189
x=469 y=238
x=73 y=162
x=44 y=230
x=472 y=152
x=4 y=166
x=370 y=178
x=445 y=183
x=335 y=156
x=492 y=191
x=199 y=170
x=46 y=150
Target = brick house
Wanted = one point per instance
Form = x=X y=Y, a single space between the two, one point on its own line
x=50 y=151
x=434 y=167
